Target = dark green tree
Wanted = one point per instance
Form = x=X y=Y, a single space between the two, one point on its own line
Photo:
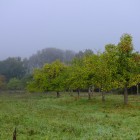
x=12 y=67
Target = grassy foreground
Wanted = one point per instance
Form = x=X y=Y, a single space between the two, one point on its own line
x=44 y=117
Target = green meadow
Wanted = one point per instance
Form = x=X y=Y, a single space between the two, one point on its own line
x=45 y=117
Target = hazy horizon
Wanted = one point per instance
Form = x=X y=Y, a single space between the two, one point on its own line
x=29 y=26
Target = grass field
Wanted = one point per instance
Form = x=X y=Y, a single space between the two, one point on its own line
x=45 y=117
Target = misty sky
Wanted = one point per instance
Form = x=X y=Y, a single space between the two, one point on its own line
x=30 y=25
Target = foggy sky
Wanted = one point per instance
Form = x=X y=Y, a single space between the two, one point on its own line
x=30 y=25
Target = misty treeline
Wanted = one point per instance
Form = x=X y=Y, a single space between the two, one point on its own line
x=117 y=68
x=15 y=71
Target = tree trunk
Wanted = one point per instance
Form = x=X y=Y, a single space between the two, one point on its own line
x=89 y=93
x=137 y=89
x=78 y=93
x=58 y=94
x=125 y=95
x=103 y=96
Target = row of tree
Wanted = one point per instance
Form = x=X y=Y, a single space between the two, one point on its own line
x=118 y=67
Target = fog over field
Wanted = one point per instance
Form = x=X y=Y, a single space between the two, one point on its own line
x=30 y=25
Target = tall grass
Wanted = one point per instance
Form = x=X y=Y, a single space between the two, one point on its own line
x=45 y=117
